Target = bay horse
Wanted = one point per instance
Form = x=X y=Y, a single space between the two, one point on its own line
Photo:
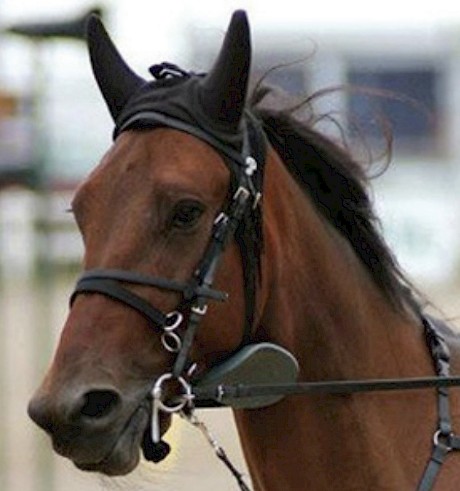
x=212 y=227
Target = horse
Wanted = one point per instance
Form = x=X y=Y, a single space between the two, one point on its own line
x=215 y=227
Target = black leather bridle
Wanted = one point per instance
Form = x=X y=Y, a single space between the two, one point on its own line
x=246 y=180
x=199 y=289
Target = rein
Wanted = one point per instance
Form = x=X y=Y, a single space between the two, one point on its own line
x=444 y=439
x=224 y=393
x=219 y=393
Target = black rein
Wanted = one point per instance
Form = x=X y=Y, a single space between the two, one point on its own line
x=444 y=439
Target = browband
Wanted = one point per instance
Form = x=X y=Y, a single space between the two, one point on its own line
x=157 y=118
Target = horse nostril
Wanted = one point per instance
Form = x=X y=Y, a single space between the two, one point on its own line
x=99 y=403
x=39 y=413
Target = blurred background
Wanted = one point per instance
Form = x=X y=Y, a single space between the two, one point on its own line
x=54 y=128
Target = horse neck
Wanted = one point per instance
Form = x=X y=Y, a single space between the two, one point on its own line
x=320 y=302
x=318 y=297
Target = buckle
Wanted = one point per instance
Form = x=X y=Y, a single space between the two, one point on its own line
x=246 y=194
x=443 y=440
x=241 y=192
x=200 y=310
x=220 y=219
x=257 y=199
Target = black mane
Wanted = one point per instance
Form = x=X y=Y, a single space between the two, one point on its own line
x=338 y=186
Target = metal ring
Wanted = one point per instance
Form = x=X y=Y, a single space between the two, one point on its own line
x=441 y=438
x=157 y=392
x=173 y=321
x=171 y=342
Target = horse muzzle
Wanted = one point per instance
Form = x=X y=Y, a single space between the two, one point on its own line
x=98 y=430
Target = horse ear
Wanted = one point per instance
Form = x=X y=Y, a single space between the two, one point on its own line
x=116 y=80
x=224 y=89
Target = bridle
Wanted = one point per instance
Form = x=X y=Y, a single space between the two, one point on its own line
x=198 y=291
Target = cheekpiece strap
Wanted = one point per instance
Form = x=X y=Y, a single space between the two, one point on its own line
x=223 y=230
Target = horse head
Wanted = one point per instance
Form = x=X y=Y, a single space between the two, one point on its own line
x=186 y=288
x=165 y=219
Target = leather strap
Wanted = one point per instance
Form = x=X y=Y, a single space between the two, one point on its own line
x=113 y=290
x=337 y=387
x=442 y=446
x=444 y=441
x=224 y=229
x=188 y=289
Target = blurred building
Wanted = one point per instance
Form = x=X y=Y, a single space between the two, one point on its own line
x=414 y=59
x=401 y=78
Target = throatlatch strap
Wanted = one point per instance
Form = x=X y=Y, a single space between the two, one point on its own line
x=257 y=148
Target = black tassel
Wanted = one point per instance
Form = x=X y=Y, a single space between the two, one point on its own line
x=154 y=452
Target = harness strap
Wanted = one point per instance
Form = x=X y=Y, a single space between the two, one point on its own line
x=193 y=322
x=225 y=227
x=441 y=448
x=444 y=441
x=250 y=255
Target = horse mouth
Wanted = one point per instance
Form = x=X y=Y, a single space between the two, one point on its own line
x=124 y=456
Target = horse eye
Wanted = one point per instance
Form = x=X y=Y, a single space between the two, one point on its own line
x=186 y=214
